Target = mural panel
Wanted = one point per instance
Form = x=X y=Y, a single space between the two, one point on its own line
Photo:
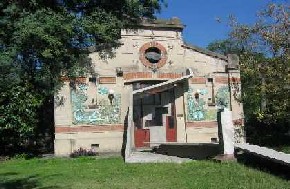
x=94 y=113
x=196 y=106
x=223 y=97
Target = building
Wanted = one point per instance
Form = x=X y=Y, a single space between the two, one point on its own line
x=156 y=89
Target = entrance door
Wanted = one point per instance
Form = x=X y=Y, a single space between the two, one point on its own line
x=141 y=135
x=142 y=138
x=171 y=134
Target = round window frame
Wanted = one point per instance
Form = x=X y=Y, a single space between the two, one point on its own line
x=146 y=62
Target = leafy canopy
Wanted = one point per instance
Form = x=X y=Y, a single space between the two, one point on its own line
x=264 y=61
x=40 y=40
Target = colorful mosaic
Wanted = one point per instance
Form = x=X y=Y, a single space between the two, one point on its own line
x=223 y=97
x=103 y=90
x=196 y=107
x=211 y=114
x=102 y=113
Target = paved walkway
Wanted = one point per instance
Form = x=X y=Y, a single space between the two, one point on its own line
x=148 y=157
x=265 y=152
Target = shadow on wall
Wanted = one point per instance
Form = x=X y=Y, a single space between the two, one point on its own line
x=31 y=182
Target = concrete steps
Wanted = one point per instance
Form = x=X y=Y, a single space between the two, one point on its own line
x=264 y=152
x=149 y=157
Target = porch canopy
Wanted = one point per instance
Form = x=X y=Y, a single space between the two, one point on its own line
x=157 y=88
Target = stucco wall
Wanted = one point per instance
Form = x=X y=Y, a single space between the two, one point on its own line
x=195 y=117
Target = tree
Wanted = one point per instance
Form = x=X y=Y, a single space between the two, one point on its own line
x=264 y=62
x=40 y=40
x=225 y=47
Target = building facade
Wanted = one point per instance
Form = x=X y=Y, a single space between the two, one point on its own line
x=156 y=89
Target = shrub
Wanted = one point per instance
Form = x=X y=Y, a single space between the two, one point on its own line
x=83 y=152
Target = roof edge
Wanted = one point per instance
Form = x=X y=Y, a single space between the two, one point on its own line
x=205 y=51
x=173 y=22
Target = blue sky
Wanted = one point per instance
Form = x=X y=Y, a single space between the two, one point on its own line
x=199 y=16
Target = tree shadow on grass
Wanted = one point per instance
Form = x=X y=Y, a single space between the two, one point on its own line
x=31 y=182
x=266 y=165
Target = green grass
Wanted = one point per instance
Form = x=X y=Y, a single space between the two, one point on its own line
x=82 y=173
x=285 y=149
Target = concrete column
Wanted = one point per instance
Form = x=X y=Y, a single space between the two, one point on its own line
x=227 y=132
x=181 y=133
x=130 y=129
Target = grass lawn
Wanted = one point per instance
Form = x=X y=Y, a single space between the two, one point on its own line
x=285 y=149
x=82 y=173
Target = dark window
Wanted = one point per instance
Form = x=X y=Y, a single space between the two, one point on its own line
x=159 y=111
x=210 y=80
x=92 y=79
x=153 y=55
x=152 y=99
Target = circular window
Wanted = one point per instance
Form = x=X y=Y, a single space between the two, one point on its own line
x=153 y=55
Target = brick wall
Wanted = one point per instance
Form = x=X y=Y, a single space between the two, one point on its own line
x=96 y=128
x=169 y=75
x=107 y=80
x=203 y=124
x=224 y=80
x=137 y=75
x=146 y=75
x=198 y=80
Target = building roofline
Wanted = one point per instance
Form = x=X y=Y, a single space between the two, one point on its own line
x=172 y=23
x=205 y=51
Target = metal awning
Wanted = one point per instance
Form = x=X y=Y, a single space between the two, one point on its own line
x=157 y=88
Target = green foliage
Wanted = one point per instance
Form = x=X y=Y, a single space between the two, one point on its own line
x=224 y=47
x=264 y=64
x=41 y=40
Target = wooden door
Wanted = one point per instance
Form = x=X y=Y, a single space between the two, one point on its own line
x=142 y=138
x=171 y=125
x=141 y=135
x=171 y=130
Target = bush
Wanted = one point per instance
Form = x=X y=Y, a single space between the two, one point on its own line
x=83 y=152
